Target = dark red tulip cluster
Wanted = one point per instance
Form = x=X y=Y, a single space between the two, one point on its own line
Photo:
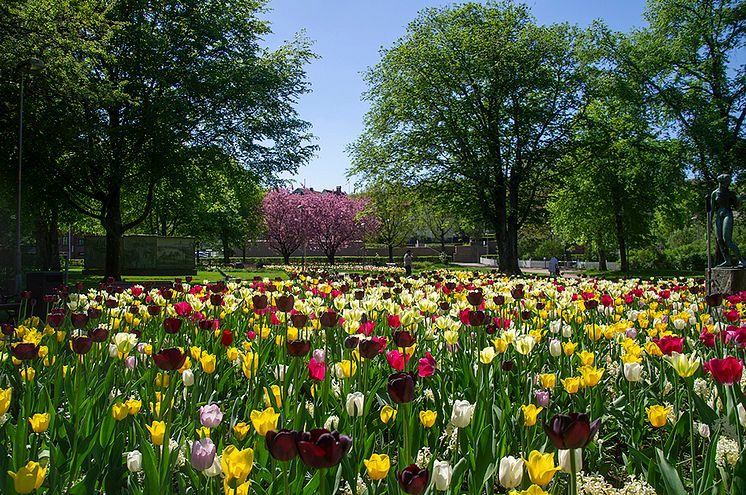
x=571 y=431
x=170 y=359
x=282 y=444
x=321 y=448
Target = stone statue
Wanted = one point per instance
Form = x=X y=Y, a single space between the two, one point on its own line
x=722 y=201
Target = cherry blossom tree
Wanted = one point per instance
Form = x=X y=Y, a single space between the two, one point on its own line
x=285 y=218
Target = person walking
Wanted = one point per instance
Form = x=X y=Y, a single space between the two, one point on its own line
x=554 y=267
x=408 y=262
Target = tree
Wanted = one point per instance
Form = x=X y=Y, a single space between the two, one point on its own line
x=684 y=62
x=477 y=102
x=287 y=221
x=394 y=206
x=439 y=220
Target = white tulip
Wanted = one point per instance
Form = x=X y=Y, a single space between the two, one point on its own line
x=511 y=471
x=113 y=351
x=741 y=415
x=564 y=460
x=442 y=473
x=567 y=331
x=215 y=469
x=134 y=461
x=462 y=413
x=354 y=404
x=188 y=377
x=633 y=372
x=555 y=348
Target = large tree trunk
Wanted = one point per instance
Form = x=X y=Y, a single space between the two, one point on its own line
x=112 y=224
x=622 y=244
x=286 y=258
x=391 y=253
x=509 y=252
x=602 y=260
x=330 y=256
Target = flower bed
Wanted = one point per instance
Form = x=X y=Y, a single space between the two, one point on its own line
x=450 y=382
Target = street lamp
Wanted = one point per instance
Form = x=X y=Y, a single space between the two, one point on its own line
x=29 y=66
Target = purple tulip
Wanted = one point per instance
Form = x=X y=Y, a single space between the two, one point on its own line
x=210 y=415
x=130 y=362
x=542 y=398
x=203 y=453
x=319 y=354
x=631 y=333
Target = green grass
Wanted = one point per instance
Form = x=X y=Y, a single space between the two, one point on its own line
x=76 y=275
x=642 y=274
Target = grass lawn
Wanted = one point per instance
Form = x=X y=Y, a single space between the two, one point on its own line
x=76 y=275
x=643 y=274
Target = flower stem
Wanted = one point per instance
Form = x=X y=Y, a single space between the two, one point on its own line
x=573 y=470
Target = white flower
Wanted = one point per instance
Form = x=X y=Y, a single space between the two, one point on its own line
x=215 y=469
x=279 y=372
x=555 y=348
x=462 y=413
x=331 y=423
x=633 y=372
x=511 y=471
x=741 y=415
x=134 y=461
x=187 y=377
x=566 y=331
x=354 y=404
x=704 y=430
x=442 y=473
x=564 y=460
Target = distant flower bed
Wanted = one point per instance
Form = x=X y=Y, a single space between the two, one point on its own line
x=320 y=268
x=453 y=382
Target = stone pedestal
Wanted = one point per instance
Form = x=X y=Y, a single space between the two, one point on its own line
x=728 y=280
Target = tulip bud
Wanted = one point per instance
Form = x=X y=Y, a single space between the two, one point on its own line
x=567 y=331
x=511 y=471
x=188 y=378
x=542 y=398
x=555 y=348
x=633 y=372
x=134 y=461
x=462 y=413
x=741 y=414
x=564 y=460
x=113 y=351
x=354 y=404
x=442 y=473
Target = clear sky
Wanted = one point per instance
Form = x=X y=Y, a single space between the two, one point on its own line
x=347 y=36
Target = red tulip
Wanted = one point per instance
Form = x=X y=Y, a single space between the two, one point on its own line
x=172 y=325
x=282 y=444
x=322 y=449
x=573 y=431
x=401 y=387
x=169 y=359
x=426 y=366
x=669 y=344
x=81 y=345
x=413 y=480
x=316 y=370
x=298 y=348
x=25 y=351
x=227 y=338
x=725 y=371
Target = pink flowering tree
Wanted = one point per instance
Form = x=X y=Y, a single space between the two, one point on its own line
x=336 y=220
x=285 y=218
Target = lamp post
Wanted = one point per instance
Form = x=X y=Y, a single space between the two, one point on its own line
x=29 y=66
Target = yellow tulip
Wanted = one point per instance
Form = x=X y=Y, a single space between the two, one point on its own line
x=39 y=422
x=241 y=430
x=232 y=353
x=594 y=332
x=378 y=466
x=590 y=376
x=531 y=490
x=203 y=432
x=276 y=395
x=264 y=421
x=28 y=478
x=28 y=374
x=652 y=349
x=250 y=364
x=586 y=358
x=236 y=465
x=133 y=406
x=388 y=414
x=501 y=345
x=6 y=394
x=346 y=368
x=530 y=412
x=196 y=352
x=427 y=418
x=487 y=355
x=658 y=415
x=548 y=380
x=541 y=467
x=207 y=361
x=157 y=432
x=119 y=411
x=572 y=384
x=569 y=348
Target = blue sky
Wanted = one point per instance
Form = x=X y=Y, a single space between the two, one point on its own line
x=347 y=36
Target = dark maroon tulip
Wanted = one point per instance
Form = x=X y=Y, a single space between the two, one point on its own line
x=216 y=299
x=188 y=279
x=476 y=318
x=444 y=306
x=98 y=334
x=154 y=310
x=209 y=324
x=112 y=303
x=573 y=431
x=81 y=345
x=475 y=298
x=134 y=309
x=282 y=444
x=591 y=304
x=7 y=329
x=285 y=303
x=55 y=319
x=48 y=298
x=167 y=294
x=79 y=320
x=413 y=479
x=450 y=286
x=79 y=285
x=169 y=359
x=517 y=293
x=26 y=294
x=359 y=295
x=172 y=325
x=526 y=314
x=713 y=300
x=401 y=387
x=298 y=348
x=402 y=338
x=369 y=348
x=25 y=351
x=328 y=319
x=94 y=313
x=694 y=290
x=260 y=301
x=178 y=287
x=321 y=448
x=299 y=320
x=491 y=329
x=507 y=365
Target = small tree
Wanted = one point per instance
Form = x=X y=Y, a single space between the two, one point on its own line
x=392 y=204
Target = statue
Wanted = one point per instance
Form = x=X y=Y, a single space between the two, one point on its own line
x=722 y=202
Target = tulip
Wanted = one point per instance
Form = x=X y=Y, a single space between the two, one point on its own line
x=354 y=404
x=725 y=371
x=285 y=303
x=590 y=376
x=684 y=365
x=531 y=490
x=210 y=415
x=403 y=339
x=187 y=378
x=462 y=412
x=264 y=421
x=548 y=380
x=81 y=345
x=387 y=414
x=633 y=372
x=298 y=348
x=413 y=480
x=427 y=418
x=555 y=348
x=741 y=414
x=530 y=412
x=172 y=325
x=203 y=454
x=370 y=348
x=236 y=465
x=133 y=406
x=6 y=394
x=321 y=448
x=157 y=431
x=669 y=344
x=378 y=466
x=573 y=431
x=510 y=473
x=25 y=351
x=28 y=478
x=524 y=344
x=442 y=474
x=401 y=387
x=40 y=422
x=572 y=384
x=134 y=461
x=540 y=467
x=542 y=398
x=316 y=370
x=569 y=348
x=657 y=415
x=119 y=411
x=208 y=362
x=487 y=355
x=170 y=359
x=282 y=444
x=566 y=463
x=426 y=366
